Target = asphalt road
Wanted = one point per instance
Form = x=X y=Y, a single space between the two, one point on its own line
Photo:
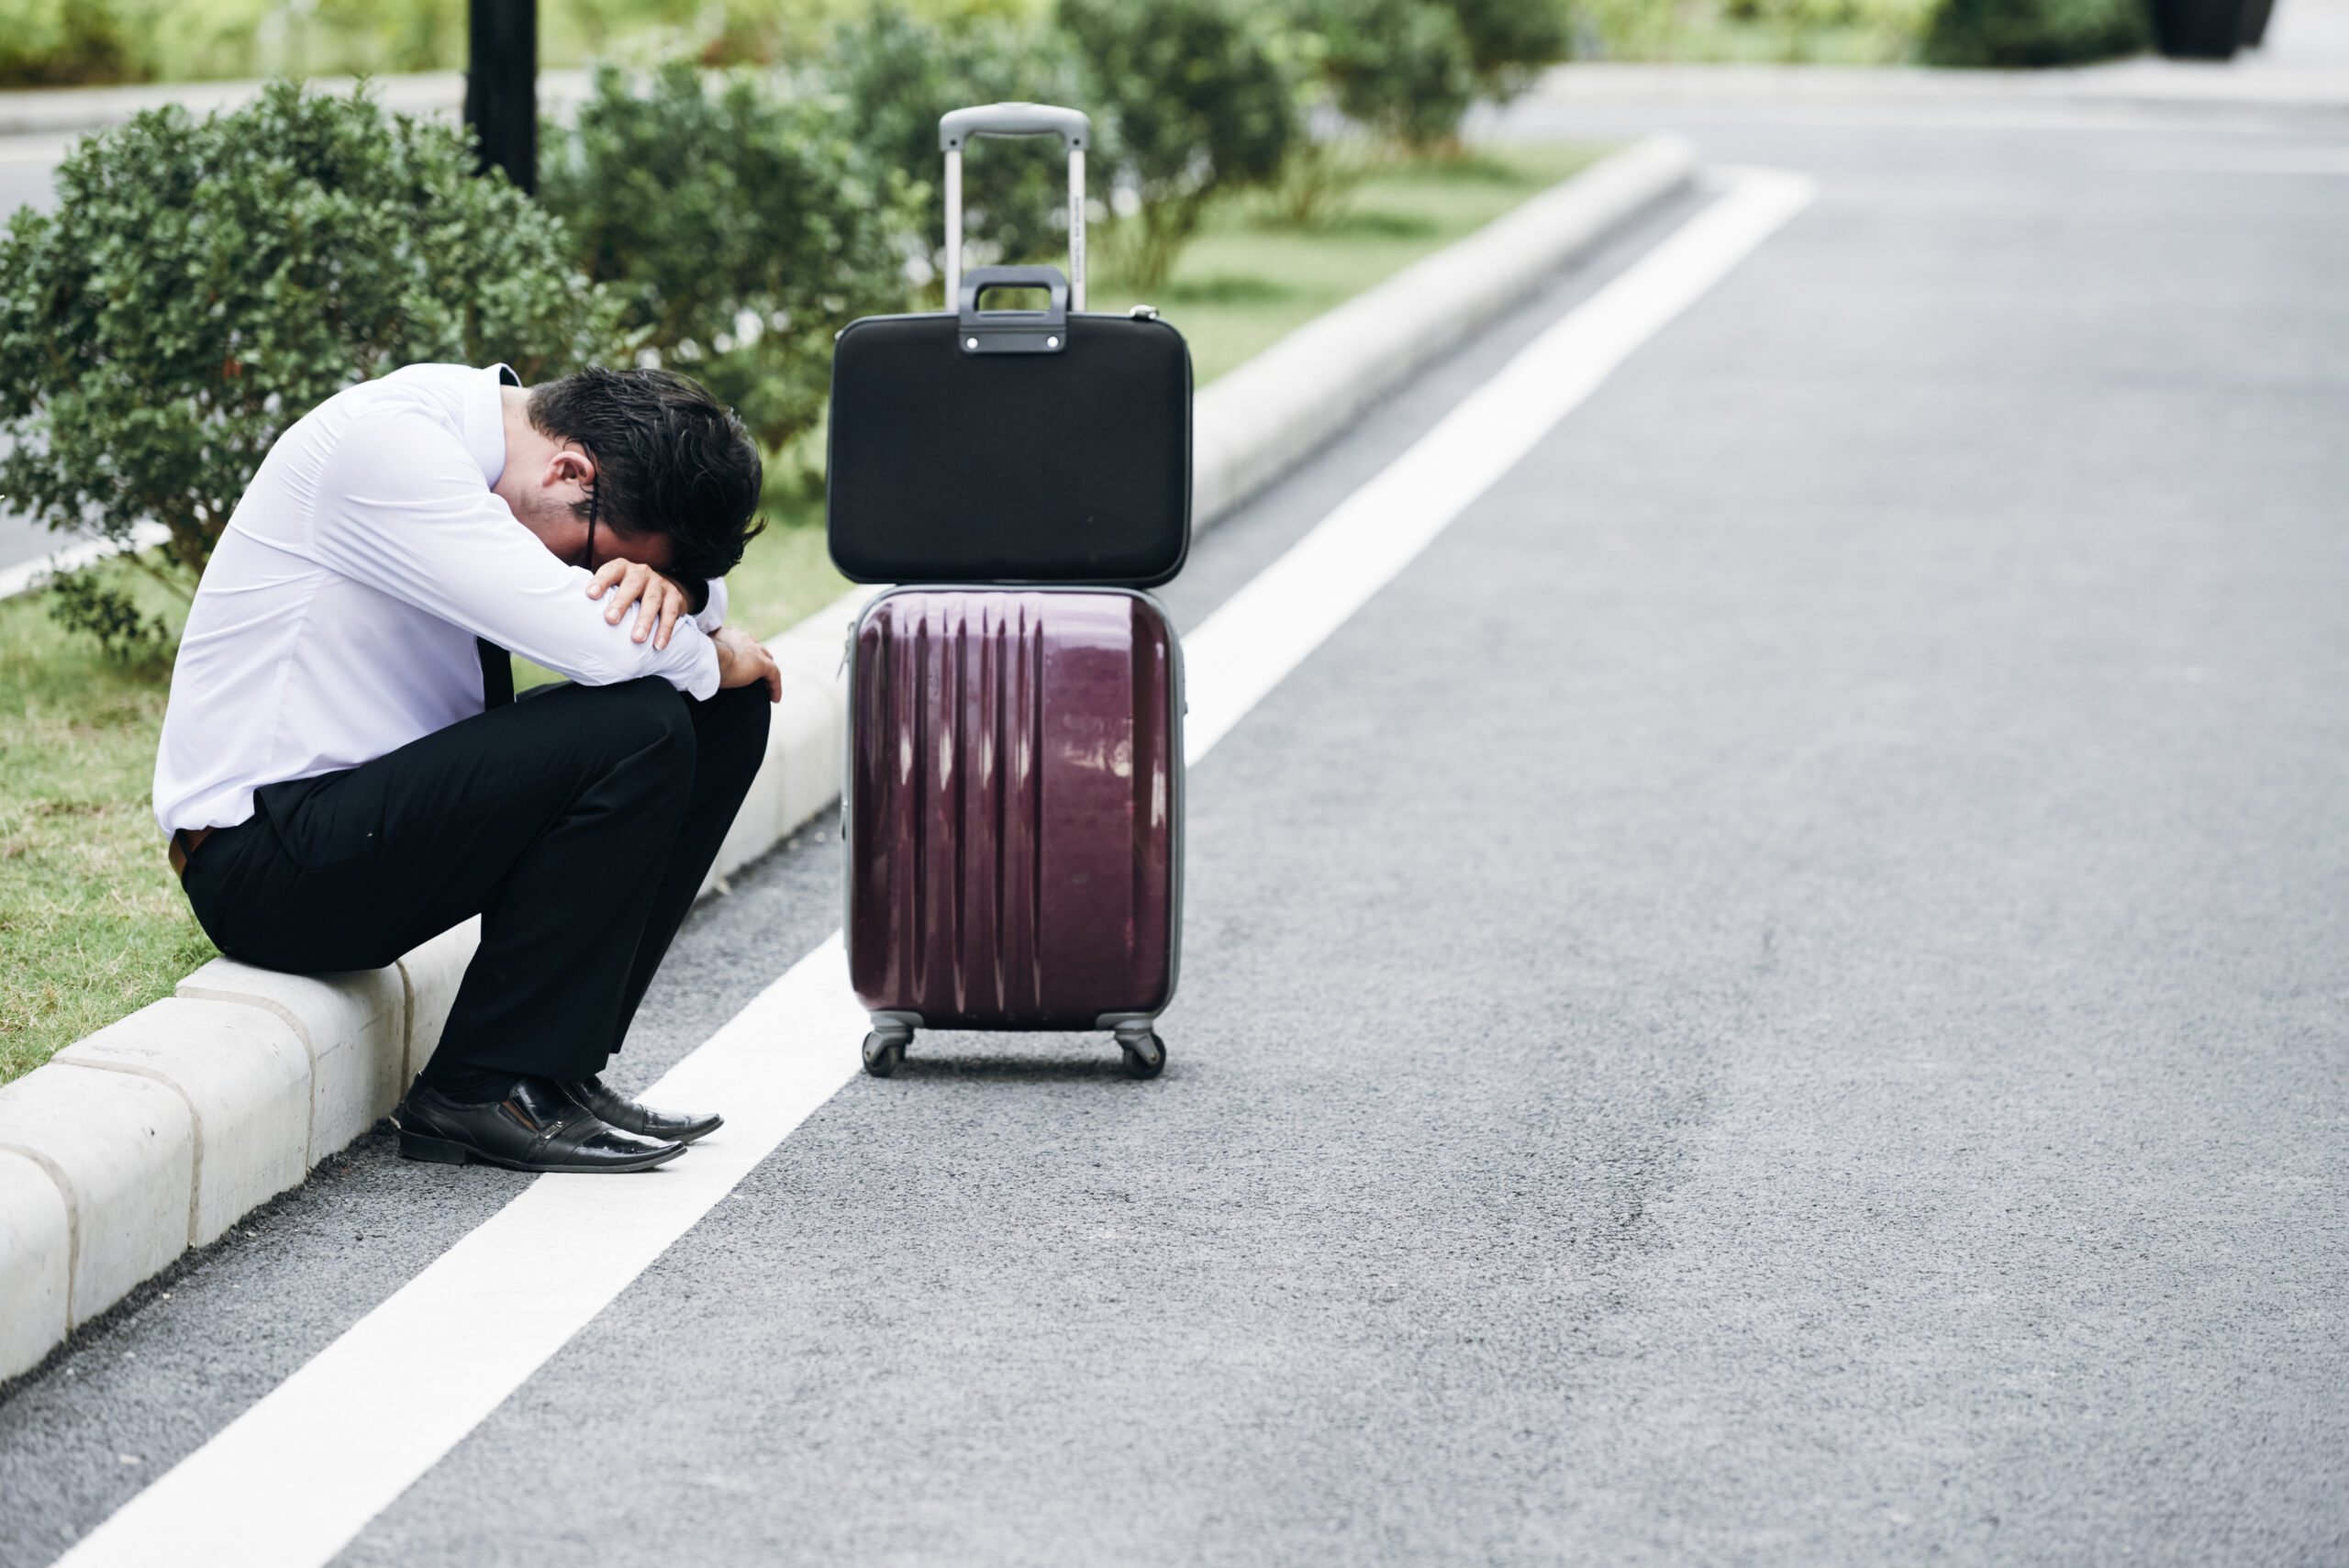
x=1781 y=997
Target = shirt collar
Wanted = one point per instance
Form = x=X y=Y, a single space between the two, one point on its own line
x=486 y=420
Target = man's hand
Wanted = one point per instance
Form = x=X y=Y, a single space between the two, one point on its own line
x=742 y=662
x=659 y=601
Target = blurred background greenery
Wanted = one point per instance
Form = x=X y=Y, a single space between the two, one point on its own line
x=62 y=42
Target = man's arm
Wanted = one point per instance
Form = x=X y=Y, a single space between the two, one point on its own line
x=742 y=662
x=402 y=508
x=659 y=599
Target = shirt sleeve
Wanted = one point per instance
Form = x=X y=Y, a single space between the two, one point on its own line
x=402 y=508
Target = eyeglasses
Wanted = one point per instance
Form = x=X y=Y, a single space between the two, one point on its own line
x=594 y=502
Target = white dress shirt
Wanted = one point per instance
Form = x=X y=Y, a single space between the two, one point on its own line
x=336 y=619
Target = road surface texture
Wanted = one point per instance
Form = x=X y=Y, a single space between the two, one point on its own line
x=1781 y=997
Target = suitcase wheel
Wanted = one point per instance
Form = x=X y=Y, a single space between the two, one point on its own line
x=1145 y=1055
x=884 y=1055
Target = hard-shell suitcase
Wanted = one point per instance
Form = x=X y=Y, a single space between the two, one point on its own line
x=1010 y=445
x=1013 y=815
x=1013 y=808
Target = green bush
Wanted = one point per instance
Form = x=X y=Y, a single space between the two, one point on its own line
x=2035 y=32
x=58 y=43
x=99 y=602
x=899 y=73
x=1201 y=96
x=202 y=285
x=45 y=42
x=741 y=229
x=1400 y=68
x=1510 y=40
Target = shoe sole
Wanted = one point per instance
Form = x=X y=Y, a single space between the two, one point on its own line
x=442 y=1152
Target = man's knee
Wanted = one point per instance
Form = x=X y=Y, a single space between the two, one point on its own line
x=745 y=711
x=641 y=721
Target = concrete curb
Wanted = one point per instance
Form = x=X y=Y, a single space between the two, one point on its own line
x=158 y=1132
x=1259 y=420
x=806 y=741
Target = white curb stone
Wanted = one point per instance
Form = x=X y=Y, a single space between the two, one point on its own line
x=813 y=654
x=122 y=1150
x=798 y=723
x=806 y=737
x=1257 y=422
x=246 y=1080
x=432 y=974
x=352 y=1025
x=35 y=1263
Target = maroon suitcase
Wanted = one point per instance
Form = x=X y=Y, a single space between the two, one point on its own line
x=1013 y=815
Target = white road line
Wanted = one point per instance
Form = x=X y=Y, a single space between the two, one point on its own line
x=408 y=1381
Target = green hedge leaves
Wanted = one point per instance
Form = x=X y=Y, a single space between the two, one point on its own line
x=2034 y=32
x=203 y=285
x=740 y=229
x=1203 y=96
x=898 y=74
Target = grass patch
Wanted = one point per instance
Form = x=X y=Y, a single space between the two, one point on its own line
x=93 y=925
x=91 y=922
x=1763 y=32
x=1249 y=279
x=786 y=575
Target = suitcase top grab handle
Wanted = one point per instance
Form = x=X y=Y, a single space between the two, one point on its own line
x=956 y=126
x=1041 y=332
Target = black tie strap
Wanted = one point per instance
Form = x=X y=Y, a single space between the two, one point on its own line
x=497 y=674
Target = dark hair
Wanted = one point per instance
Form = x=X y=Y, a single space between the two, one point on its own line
x=669 y=459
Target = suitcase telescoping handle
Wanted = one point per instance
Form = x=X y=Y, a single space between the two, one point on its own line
x=957 y=126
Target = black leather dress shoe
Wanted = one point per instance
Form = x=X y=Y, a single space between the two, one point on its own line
x=532 y=1129
x=590 y=1094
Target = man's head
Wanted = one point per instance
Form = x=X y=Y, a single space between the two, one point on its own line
x=663 y=460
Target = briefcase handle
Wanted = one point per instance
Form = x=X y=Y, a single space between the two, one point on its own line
x=956 y=126
x=1041 y=332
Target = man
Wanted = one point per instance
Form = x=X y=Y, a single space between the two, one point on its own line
x=344 y=772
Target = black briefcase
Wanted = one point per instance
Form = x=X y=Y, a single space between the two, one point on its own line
x=1010 y=445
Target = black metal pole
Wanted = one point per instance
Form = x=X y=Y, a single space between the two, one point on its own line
x=502 y=87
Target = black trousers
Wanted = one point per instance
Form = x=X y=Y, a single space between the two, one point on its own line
x=578 y=823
